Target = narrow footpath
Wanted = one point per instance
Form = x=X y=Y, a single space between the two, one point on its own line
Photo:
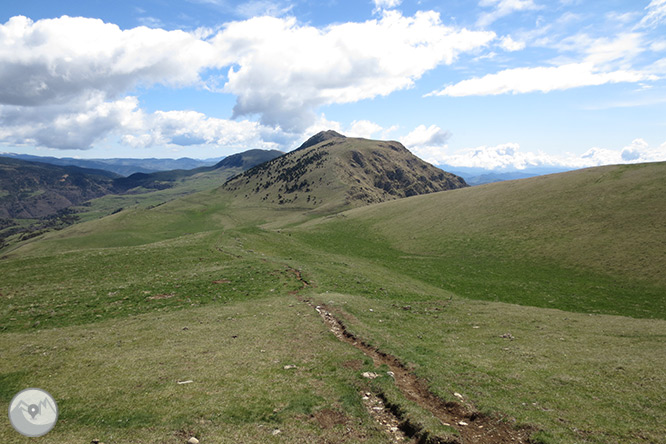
x=473 y=427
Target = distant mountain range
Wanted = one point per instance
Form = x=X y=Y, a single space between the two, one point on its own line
x=480 y=176
x=33 y=190
x=124 y=167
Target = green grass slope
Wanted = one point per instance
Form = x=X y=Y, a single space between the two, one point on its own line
x=497 y=293
x=590 y=240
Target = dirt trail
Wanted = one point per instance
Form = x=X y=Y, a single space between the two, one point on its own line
x=473 y=427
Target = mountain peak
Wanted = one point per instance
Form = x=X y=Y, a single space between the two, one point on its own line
x=321 y=137
x=332 y=172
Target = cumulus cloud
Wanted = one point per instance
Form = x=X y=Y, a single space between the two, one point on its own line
x=510 y=157
x=510 y=45
x=541 y=79
x=186 y=128
x=363 y=128
x=283 y=70
x=81 y=124
x=502 y=8
x=59 y=60
x=506 y=156
x=638 y=151
x=279 y=70
x=428 y=143
x=72 y=126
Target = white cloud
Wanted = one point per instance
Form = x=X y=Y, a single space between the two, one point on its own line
x=363 y=128
x=541 y=79
x=81 y=125
x=193 y=128
x=502 y=8
x=283 y=71
x=426 y=136
x=638 y=151
x=506 y=156
x=57 y=60
x=428 y=142
x=54 y=76
x=509 y=157
x=71 y=126
x=510 y=45
x=656 y=14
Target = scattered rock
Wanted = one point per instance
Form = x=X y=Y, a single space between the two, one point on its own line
x=407 y=307
x=276 y=432
x=185 y=328
x=193 y=440
x=391 y=374
x=462 y=423
x=189 y=381
x=371 y=309
x=458 y=395
x=507 y=336
x=370 y=375
x=160 y=296
x=289 y=367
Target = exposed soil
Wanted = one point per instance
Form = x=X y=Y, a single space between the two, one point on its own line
x=473 y=427
x=328 y=418
x=388 y=420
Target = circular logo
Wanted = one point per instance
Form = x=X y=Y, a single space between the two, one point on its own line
x=33 y=412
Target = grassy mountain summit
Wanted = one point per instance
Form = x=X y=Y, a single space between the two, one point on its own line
x=331 y=171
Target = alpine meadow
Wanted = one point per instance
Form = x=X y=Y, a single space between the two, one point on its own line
x=280 y=305
x=337 y=222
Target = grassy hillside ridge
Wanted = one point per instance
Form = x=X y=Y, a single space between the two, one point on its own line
x=330 y=172
x=589 y=240
x=609 y=219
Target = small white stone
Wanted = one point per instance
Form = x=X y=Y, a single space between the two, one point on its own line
x=193 y=440
x=276 y=432
x=289 y=367
x=370 y=375
x=462 y=423
x=458 y=395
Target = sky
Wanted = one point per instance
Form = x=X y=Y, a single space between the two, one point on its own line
x=496 y=84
